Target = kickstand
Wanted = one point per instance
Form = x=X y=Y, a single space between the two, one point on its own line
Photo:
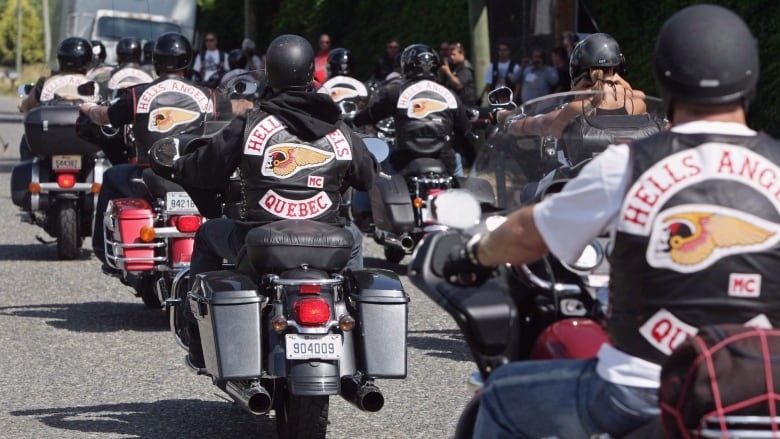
x=43 y=241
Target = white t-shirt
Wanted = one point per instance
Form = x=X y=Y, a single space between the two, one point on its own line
x=211 y=60
x=502 y=68
x=587 y=207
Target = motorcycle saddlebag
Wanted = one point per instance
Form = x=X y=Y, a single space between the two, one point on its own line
x=51 y=130
x=382 y=310
x=228 y=310
x=128 y=216
x=21 y=177
x=391 y=204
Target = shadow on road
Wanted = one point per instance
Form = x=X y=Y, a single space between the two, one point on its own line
x=158 y=420
x=94 y=316
x=36 y=251
x=443 y=343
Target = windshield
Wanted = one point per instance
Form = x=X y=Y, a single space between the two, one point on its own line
x=560 y=132
x=119 y=27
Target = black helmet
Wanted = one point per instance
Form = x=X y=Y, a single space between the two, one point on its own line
x=419 y=61
x=705 y=54
x=147 y=50
x=236 y=59
x=340 y=62
x=597 y=50
x=172 y=53
x=98 y=51
x=128 y=50
x=289 y=63
x=74 y=54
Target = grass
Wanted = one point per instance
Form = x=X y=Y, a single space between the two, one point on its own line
x=30 y=74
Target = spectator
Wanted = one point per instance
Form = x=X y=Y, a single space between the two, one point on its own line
x=321 y=59
x=504 y=71
x=458 y=74
x=560 y=60
x=444 y=50
x=568 y=40
x=253 y=62
x=211 y=63
x=386 y=64
x=538 y=79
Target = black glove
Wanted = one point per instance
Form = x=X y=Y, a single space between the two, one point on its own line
x=492 y=116
x=461 y=267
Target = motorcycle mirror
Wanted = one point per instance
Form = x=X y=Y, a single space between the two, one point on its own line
x=456 y=208
x=244 y=88
x=501 y=96
x=162 y=155
x=87 y=89
x=24 y=90
x=377 y=147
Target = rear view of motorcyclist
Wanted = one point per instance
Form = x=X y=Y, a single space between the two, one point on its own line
x=348 y=93
x=169 y=105
x=74 y=57
x=237 y=61
x=695 y=239
x=295 y=158
x=100 y=71
x=430 y=120
x=128 y=71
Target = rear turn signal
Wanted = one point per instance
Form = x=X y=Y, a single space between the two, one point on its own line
x=147 y=233
x=311 y=311
x=187 y=223
x=418 y=202
x=34 y=188
x=95 y=188
x=66 y=181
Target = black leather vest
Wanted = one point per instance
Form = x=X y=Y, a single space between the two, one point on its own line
x=128 y=76
x=585 y=137
x=697 y=240
x=424 y=118
x=348 y=93
x=166 y=107
x=284 y=177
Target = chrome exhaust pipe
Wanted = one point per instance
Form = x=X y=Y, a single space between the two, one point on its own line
x=407 y=242
x=253 y=398
x=403 y=242
x=365 y=396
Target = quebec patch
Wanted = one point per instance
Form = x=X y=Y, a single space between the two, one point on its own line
x=283 y=207
x=665 y=331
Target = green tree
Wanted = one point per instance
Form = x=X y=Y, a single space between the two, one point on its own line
x=32 y=32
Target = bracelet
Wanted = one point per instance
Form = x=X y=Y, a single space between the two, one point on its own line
x=471 y=249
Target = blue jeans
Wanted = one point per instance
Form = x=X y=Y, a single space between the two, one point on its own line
x=559 y=398
x=116 y=184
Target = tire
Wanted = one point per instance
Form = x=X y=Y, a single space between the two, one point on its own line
x=145 y=290
x=68 y=239
x=394 y=255
x=464 y=429
x=300 y=417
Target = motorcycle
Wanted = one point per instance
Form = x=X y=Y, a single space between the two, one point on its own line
x=286 y=326
x=149 y=237
x=57 y=190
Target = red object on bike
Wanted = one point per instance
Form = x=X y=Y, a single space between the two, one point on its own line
x=310 y=289
x=570 y=338
x=131 y=214
x=66 y=181
x=187 y=223
x=312 y=311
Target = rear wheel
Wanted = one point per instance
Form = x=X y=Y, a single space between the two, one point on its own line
x=465 y=427
x=145 y=289
x=68 y=239
x=300 y=417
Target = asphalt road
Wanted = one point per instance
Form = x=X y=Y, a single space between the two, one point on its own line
x=81 y=357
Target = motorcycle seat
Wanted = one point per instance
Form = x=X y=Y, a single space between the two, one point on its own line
x=423 y=165
x=159 y=186
x=288 y=244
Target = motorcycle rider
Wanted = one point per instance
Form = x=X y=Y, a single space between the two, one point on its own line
x=695 y=239
x=100 y=71
x=264 y=144
x=428 y=116
x=347 y=92
x=74 y=57
x=143 y=106
x=237 y=62
x=147 y=64
x=128 y=71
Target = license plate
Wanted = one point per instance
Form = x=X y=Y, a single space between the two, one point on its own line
x=307 y=347
x=178 y=202
x=71 y=162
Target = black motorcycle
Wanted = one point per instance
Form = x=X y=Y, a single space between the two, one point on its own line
x=57 y=190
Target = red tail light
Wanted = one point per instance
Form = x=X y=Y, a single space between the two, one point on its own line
x=309 y=289
x=312 y=311
x=66 y=181
x=187 y=223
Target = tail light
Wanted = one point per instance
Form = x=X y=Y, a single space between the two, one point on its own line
x=66 y=181
x=311 y=311
x=187 y=223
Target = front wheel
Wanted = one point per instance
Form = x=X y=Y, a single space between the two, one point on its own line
x=68 y=239
x=301 y=417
